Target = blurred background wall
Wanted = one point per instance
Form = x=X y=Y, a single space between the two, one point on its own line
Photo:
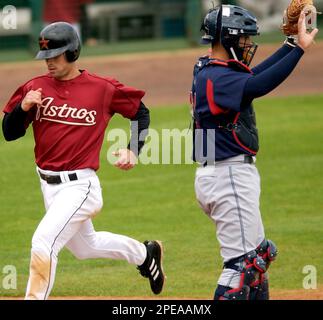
x=110 y=21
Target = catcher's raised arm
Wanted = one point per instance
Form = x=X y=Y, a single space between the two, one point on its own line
x=292 y=15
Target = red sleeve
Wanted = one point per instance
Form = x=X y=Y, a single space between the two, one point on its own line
x=125 y=100
x=17 y=98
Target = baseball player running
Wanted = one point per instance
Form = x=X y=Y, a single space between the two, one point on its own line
x=227 y=183
x=69 y=110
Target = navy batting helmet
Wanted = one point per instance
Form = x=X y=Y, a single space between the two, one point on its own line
x=57 y=38
x=227 y=24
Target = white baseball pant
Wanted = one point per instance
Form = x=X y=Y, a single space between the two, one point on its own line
x=69 y=208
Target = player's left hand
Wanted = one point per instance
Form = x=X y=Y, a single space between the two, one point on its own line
x=126 y=159
x=305 y=40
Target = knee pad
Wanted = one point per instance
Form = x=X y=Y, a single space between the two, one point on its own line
x=259 y=290
x=253 y=277
x=254 y=265
x=251 y=267
x=268 y=251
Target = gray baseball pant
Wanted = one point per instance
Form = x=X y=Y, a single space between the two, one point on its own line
x=228 y=192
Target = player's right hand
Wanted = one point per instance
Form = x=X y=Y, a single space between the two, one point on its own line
x=32 y=97
x=305 y=39
x=126 y=159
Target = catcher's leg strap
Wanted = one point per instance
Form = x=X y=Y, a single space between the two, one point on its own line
x=260 y=289
x=227 y=293
x=248 y=265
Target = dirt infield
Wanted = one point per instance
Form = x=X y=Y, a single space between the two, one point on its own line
x=316 y=294
x=166 y=76
x=275 y=295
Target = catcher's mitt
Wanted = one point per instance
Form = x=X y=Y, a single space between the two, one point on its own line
x=292 y=13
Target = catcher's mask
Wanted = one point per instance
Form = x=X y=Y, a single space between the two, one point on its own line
x=57 y=38
x=231 y=26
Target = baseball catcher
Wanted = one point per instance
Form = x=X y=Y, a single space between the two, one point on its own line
x=225 y=141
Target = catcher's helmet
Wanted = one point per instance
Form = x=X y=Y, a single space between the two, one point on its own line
x=57 y=38
x=226 y=24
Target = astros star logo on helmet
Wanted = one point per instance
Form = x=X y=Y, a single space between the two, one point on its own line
x=43 y=43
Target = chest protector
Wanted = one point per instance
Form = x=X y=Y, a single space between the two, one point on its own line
x=242 y=125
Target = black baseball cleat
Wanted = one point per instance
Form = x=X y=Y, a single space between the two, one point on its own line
x=152 y=267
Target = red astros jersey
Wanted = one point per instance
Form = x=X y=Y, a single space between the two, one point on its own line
x=70 y=124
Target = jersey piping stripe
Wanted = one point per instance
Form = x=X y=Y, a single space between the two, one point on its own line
x=221 y=63
x=231 y=61
x=214 y=108
x=238 y=209
x=241 y=64
x=50 y=264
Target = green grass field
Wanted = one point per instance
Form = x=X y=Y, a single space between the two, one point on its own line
x=158 y=202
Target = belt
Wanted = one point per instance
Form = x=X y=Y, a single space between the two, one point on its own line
x=249 y=159
x=246 y=159
x=56 y=179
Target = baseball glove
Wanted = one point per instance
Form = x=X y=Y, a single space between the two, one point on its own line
x=292 y=13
